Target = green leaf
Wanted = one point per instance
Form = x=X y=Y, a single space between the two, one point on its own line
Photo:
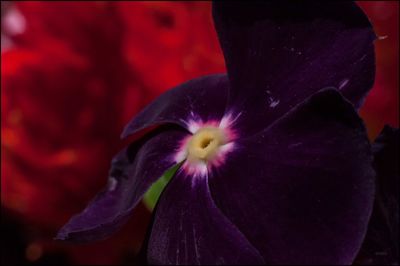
x=153 y=193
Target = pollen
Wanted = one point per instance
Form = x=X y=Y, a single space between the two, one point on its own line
x=204 y=144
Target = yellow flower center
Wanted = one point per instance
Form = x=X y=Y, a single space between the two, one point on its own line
x=204 y=144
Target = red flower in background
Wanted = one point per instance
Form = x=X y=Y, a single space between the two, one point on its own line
x=75 y=74
x=382 y=104
x=176 y=41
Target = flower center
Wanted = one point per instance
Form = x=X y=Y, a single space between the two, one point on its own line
x=204 y=144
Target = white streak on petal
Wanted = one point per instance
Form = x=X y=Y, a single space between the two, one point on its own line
x=180 y=156
x=181 y=153
x=227 y=147
x=228 y=120
x=193 y=127
x=343 y=83
x=195 y=170
x=196 y=249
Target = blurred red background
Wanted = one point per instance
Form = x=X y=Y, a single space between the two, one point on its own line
x=72 y=75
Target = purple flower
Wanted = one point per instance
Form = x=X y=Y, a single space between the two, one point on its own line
x=381 y=244
x=275 y=164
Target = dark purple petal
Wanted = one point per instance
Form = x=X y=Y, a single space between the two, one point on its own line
x=279 y=53
x=201 y=98
x=301 y=191
x=381 y=244
x=189 y=229
x=133 y=171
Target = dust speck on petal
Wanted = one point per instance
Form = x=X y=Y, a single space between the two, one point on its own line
x=295 y=145
x=273 y=102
